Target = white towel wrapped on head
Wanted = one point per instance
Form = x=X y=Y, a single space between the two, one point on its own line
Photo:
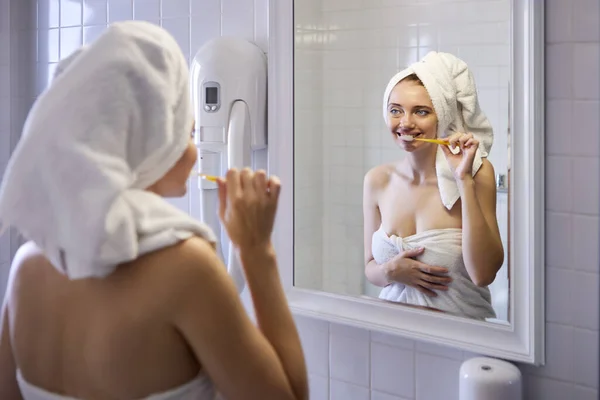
x=115 y=119
x=451 y=87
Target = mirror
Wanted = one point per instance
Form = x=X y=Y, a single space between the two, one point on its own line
x=345 y=53
x=332 y=61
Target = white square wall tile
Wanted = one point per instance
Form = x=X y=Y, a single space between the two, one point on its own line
x=445 y=372
x=559 y=189
x=180 y=29
x=585 y=253
x=120 y=10
x=314 y=335
x=584 y=393
x=586 y=185
x=95 y=12
x=318 y=387
x=588 y=127
x=559 y=306
x=559 y=240
x=547 y=389
x=586 y=63
x=70 y=13
x=559 y=71
x=48 y=14
x=347 y=391
x=203 y=28
x=559 y=122
x=583 y=300
x=146 y=10
x=349 y=355
x=237 y=18
x=70 y=40
x=585 y=352
x=175 y=8
x=201 y=7
x=585 y=20
x=392 y=370
x=48 y=45
x=91 y=33
x=558 y=15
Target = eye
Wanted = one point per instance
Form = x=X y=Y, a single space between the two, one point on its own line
x=394 y=111
x=422 y=113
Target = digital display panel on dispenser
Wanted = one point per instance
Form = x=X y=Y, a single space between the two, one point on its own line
x=212 y=96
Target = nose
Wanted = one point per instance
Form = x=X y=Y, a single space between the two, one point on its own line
x=406 y=122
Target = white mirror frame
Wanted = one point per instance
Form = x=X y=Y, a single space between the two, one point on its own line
x=522 y=339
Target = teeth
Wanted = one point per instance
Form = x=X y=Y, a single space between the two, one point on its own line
x=407 y=138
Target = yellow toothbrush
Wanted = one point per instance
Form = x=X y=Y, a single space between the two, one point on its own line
x=436 y=141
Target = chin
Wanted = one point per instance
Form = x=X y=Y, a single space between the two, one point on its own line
x=178 y=193
x=406 y=146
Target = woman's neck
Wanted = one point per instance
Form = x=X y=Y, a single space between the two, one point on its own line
x=422 y=164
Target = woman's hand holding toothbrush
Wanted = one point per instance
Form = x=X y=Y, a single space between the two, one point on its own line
x=247 y=207
x=461 y=163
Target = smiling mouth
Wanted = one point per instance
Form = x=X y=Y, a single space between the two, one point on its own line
x=408 y=137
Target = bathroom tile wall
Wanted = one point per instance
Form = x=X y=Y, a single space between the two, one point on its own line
x=353 y=364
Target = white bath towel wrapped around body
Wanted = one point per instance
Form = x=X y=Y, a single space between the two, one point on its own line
x=443 y=248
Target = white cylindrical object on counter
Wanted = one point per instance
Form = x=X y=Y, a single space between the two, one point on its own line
x=483 y=378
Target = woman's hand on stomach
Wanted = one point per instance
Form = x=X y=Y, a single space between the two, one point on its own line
x=423 y=277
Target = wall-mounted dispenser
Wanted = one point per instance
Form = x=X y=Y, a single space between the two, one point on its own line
x=229 y=93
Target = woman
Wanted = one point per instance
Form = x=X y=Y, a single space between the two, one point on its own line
x=119 y=295
x=431 y=236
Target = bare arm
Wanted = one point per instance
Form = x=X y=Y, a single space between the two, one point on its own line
x=9 y=388
x=482 y=245
x=243 y=361
x=372 y=220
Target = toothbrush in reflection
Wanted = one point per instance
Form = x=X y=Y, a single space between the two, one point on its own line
x=407 y=138
x=436 y=141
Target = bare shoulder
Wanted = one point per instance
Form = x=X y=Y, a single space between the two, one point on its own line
x=26 y=262
x=191 y=258
x=26 y=254
x=194 y=266
x=485 y=178
x=378 y=177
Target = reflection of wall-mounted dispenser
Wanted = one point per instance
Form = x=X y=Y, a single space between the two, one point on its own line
x=229 y=92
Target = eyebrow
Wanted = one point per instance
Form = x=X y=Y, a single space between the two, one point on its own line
x=399 y=105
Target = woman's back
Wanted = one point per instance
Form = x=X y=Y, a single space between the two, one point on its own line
x=102 y=339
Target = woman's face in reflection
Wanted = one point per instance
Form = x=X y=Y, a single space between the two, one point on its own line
x=411 y=113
